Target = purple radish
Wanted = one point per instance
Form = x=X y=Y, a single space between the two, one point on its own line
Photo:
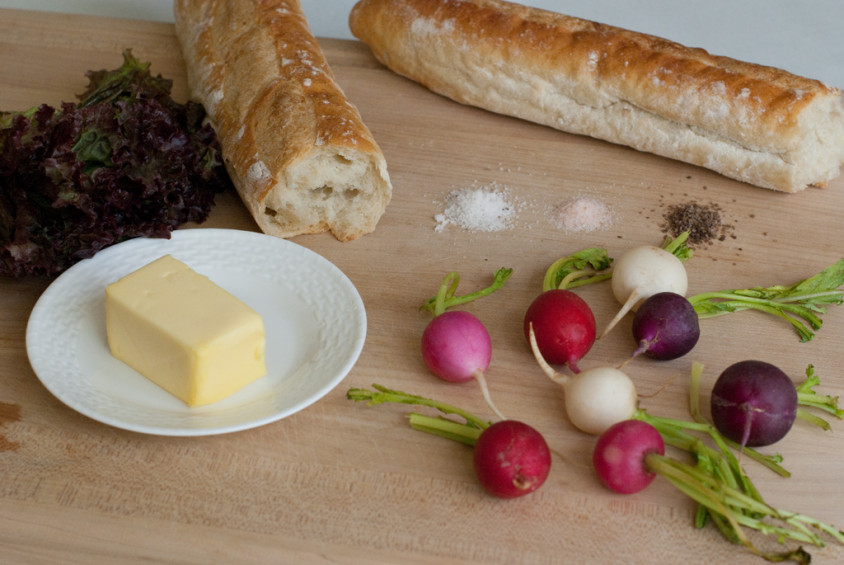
x=665 y=326
x=753 y=403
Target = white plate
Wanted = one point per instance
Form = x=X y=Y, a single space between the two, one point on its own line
x=314 y=318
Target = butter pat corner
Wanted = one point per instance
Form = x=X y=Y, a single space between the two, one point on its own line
x=184 y=332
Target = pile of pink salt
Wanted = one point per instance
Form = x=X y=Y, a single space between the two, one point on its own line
x=583 y=214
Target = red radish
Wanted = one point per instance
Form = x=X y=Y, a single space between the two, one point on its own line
x=753 y=403
x=621 y=452
x=511 y=459
x=665 y=326
x=564 y=326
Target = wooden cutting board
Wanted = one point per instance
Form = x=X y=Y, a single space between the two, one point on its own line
x=345 y=483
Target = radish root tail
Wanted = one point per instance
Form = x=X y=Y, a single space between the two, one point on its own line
x=543 y=364
x=479 y=376
x=625 y=308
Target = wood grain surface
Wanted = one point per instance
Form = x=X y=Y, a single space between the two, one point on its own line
x=344 y=483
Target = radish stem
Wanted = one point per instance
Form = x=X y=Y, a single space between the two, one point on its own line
x=445 y=298
x=805 y=300
x=463 y=433
x=382 y=395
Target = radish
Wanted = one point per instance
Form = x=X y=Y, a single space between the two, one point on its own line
x=596 y=398
x=564 y=326
x=510 y=458
x=642 y=272
x=621 y=452
x=630 y=454
x=456 y=346
x=754 y=403
x=665 y=326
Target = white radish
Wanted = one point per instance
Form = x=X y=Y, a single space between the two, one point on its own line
x=642 y=272
x=595 y=398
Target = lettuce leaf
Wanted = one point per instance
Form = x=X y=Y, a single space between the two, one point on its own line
x=125 y=161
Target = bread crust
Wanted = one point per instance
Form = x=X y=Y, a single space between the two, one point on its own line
x=754 y=123
x=296 y=148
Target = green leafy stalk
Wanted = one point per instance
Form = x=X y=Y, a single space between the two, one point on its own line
x=446 y=299
x=443 y=427
x=591 y=265
x=581 y=268
x=808 y=398
x=465 y=432
x=735 y=510
x=678 y=246
x=800 y=304
x=382 y=395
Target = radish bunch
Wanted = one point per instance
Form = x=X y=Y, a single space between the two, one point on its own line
x=753 y=404
x=630 y=454
x=649 y=280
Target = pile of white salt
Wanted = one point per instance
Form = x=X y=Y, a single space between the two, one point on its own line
x=478 y=208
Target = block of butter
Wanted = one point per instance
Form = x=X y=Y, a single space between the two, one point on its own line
x=184 y=333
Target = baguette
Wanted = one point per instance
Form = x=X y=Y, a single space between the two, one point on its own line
x=295 y=147
x=756 y=124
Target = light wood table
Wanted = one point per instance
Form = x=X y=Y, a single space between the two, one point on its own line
x=345 y=483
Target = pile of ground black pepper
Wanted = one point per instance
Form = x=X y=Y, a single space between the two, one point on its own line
x=703 y=222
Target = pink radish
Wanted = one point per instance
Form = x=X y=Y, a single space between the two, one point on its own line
x=456 y=346
x=621 y=452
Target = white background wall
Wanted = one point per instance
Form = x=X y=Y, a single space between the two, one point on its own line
x=803 y=37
